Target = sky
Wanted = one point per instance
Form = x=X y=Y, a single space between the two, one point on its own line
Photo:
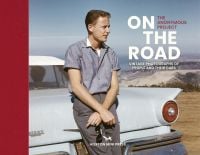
x=55 y=24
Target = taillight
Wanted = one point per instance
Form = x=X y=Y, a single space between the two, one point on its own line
x=170 y=111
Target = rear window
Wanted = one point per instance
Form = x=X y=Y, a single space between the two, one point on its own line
x=47 y=77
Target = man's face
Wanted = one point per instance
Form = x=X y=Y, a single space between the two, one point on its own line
x=101 y=29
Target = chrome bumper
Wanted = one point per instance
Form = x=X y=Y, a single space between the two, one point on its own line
x=166 y=144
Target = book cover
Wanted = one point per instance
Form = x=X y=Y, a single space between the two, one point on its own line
x=157 y=43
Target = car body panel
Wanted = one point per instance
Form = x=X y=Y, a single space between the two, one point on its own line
x=51 y=111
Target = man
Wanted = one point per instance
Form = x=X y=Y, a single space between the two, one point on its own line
x=92 y=70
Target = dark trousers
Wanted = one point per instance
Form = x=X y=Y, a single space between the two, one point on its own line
x=110 y=135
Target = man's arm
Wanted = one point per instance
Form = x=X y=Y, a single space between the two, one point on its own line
x=112 y=92
x=82 y=93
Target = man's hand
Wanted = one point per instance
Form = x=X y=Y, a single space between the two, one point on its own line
x=94 y=119
x=107 y=117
